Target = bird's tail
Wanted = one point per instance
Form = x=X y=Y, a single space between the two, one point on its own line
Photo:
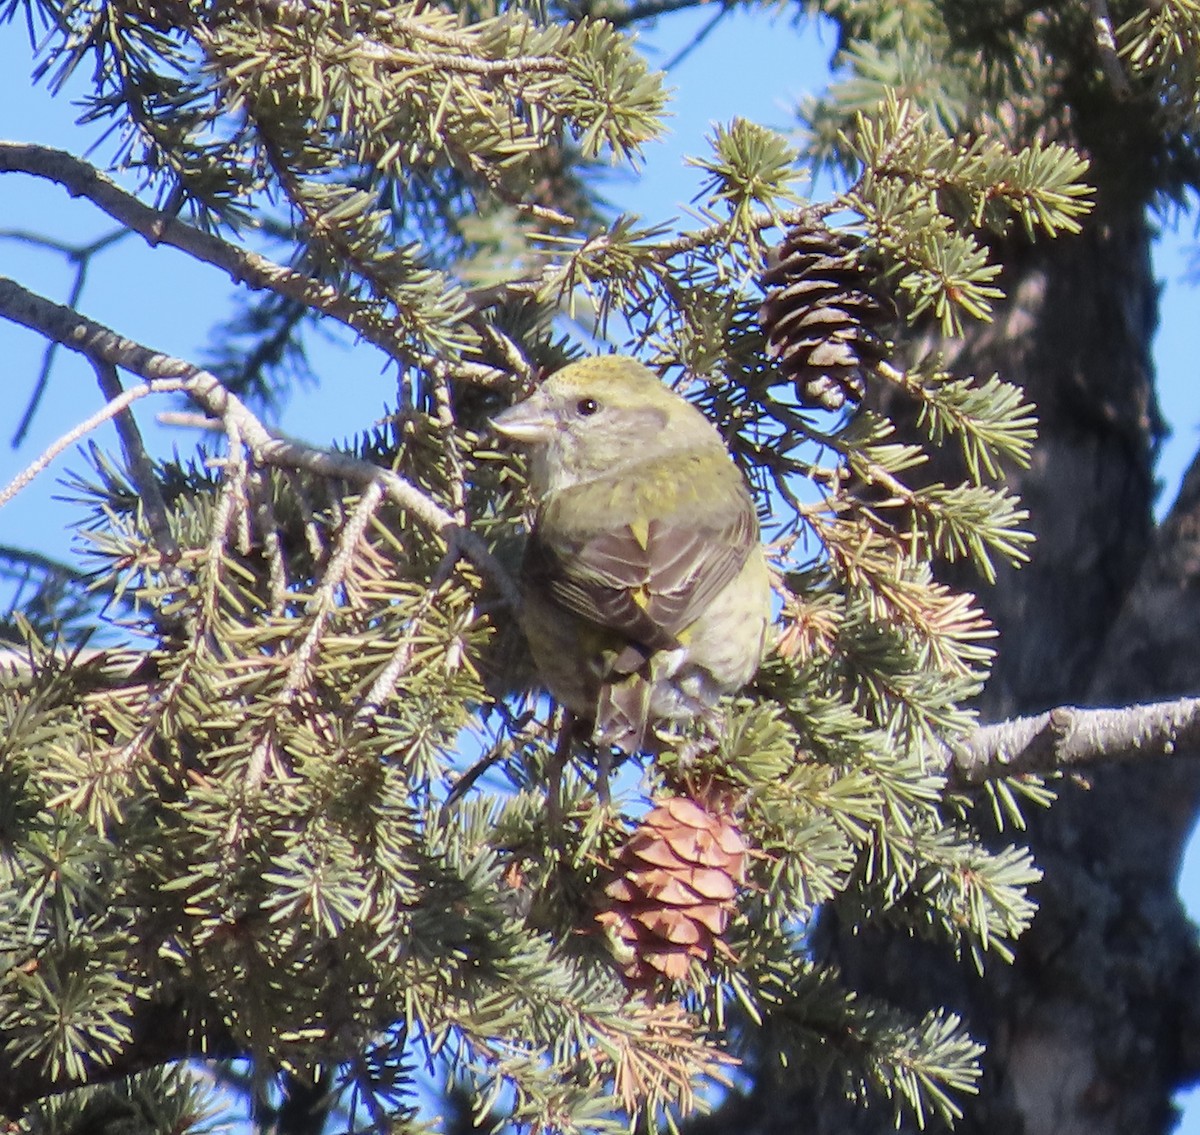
x=623 y=713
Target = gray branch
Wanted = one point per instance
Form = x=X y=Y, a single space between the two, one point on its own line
x=101 y=344
x=80 y=179
x=1067 y=737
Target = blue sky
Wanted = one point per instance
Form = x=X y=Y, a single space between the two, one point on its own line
x=752 y=65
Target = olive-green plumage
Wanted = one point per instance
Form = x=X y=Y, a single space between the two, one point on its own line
x=645 y=588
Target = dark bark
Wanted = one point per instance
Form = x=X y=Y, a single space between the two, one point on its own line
x=306 y=1104
x=1094 y=1026
x=1091 y=1028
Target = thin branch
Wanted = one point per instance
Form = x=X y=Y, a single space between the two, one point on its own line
x=166 y=372
x=104 y=414
x=457 y=39
x=1066 y=737
x=698 y=38
x=141 y=468
x=47 y=565
x=1106 y=47
x=444 y=412
x=81 y=179
x=490 y=295
x=188 y=419
x=323 y=602
x=81 y=256
x=267 y=526
x=649 y=10
x=223 y=520
x=397 y=666
x=464 y=64
x=116 y=663
x=805 y=216
x=236 y=475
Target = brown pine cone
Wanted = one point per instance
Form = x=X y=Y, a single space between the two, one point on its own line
x=677 y=879
x=822 y=316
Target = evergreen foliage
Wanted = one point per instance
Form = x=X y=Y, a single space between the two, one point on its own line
x=239 y=816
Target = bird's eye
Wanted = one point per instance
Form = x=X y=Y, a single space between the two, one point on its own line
x=586 y=407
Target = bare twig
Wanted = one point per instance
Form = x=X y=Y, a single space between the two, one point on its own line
x=141 y=469
x=699 y=37
x=47 y=565
x=188 y=419
x=81 y=256
x=649 y=10
x=107 y=412
x=1067 y=737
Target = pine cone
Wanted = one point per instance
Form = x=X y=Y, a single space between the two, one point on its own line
x=821 y=316
x=677 y=878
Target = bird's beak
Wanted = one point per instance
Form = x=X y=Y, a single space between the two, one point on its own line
x=528 y=422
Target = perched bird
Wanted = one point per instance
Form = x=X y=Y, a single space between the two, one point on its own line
x=645 y=588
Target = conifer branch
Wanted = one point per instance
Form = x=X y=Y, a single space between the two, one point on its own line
x=164 y=1031
x=156 y=226
x=264 y=757
x=397 y=666
x=1068 y=737
x=718 y=234
x=490 y=68
x=323 y=603
x=165 y=372
x=336 y=920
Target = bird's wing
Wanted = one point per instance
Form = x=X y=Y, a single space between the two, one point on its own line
x=646 y=580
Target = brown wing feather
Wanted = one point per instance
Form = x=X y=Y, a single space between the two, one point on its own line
x=605 y=599
x=693 y=565
x=648 y=592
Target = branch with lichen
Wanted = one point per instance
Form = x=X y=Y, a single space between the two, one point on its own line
x=78 y=333
x=1070 y=737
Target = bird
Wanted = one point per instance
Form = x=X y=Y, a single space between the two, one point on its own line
x=645 y=591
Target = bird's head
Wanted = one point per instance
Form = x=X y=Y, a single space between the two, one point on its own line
x=597 y=416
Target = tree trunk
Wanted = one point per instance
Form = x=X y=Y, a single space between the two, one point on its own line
x=1094 y=1026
